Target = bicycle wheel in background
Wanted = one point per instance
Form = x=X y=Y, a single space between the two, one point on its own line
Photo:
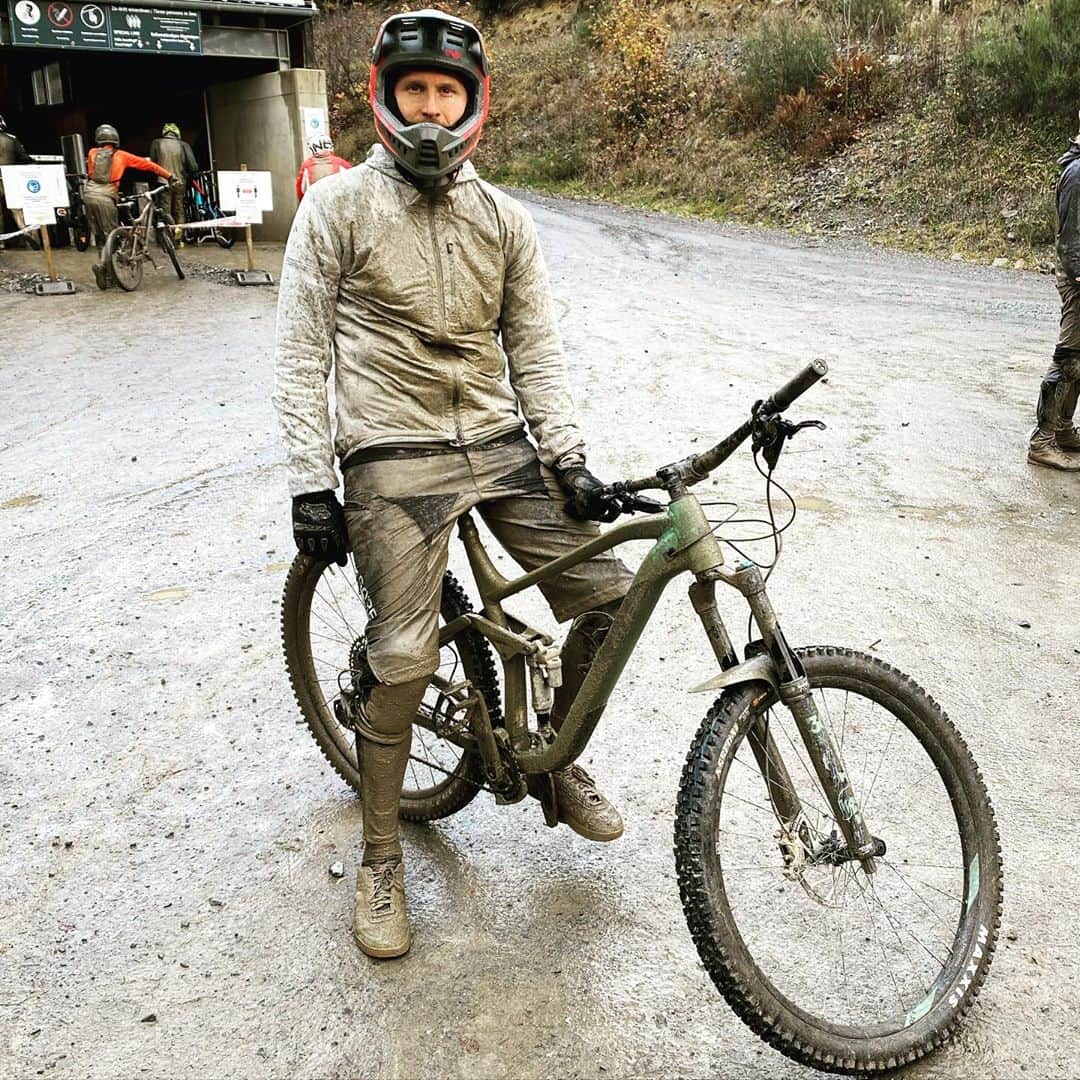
x=122 y=258
x=323 y=617
x=838 y=969
x=164 y=225
x=225 y=237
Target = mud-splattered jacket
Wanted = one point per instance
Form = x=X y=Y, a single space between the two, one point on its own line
x=1068 y=211
x=409 y=295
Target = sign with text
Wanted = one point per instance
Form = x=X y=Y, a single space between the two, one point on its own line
x=156 y=31
x=36 y=190
x=57 y=24
x=246 y=194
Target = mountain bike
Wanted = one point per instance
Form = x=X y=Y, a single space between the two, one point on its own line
x=837 y=854
x=127 y=247
x=203 y=206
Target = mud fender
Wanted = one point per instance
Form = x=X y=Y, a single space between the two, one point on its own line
x=756 y=669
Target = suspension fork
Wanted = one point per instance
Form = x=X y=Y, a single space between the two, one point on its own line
x=794 y=691
x=778 y=785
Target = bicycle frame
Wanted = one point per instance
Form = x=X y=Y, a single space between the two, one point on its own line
x=684 y=543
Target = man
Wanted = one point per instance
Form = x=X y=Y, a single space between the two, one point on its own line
x=1055 y=442
x=106 y=164
x=405 y=271
x=12 y=152
x=172 y=153
x=321 y=162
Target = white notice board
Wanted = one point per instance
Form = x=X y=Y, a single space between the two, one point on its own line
x=246 y=194
x=36 y=190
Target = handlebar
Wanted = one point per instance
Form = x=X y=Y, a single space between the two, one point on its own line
x=694 y=469
x=141 y=195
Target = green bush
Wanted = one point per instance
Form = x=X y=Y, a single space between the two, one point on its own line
x=1024 y=65
x=781 y=55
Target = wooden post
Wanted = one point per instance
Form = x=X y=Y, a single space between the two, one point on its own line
x=48 y=251
x=247 y=238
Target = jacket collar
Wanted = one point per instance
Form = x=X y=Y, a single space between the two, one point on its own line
x=381 y=160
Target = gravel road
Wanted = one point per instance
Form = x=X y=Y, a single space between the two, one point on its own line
x=165 y=903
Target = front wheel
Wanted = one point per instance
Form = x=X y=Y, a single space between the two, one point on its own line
x=840 y=969
x=165 y=226
x=122 y=256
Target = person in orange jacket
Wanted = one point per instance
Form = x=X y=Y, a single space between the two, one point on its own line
x=105 y=166
x=322 y=162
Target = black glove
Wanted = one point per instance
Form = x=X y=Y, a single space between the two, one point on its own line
x=588 y=501
x=319 y=527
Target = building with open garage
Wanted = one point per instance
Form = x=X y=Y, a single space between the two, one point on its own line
x=237 y=76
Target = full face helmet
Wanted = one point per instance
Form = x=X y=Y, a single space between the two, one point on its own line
x=106 y=133
x=171 y=129
x=428 y=40
x=321 y=144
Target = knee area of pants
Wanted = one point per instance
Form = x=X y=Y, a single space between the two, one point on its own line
x=1068 y=362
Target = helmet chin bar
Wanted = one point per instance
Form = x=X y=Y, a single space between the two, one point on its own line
x=429 y=155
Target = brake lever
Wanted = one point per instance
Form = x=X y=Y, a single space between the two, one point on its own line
x=775 y=432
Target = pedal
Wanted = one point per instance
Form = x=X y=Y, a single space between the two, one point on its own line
x=515 y=795
x=544 y=789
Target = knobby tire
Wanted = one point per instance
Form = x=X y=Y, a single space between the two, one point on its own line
x=781 y=1023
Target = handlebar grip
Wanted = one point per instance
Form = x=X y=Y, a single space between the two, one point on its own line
x=797 y=386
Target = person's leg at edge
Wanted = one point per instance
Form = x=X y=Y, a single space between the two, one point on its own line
x=1055 y=437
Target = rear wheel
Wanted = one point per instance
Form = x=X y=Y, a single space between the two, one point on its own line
x=322 y=627
x=121 y=257
x=839 y=969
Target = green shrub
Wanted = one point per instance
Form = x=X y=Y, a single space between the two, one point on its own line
x=781 y=56
x=1023 y=65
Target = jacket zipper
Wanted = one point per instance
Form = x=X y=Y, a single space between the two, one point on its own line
x=455 y=401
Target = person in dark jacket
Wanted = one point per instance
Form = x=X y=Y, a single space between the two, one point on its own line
x=1055 y=442
x=171 y=152
x=12 y=152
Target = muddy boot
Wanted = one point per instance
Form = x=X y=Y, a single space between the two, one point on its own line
x=1044 y=450
x=381 y=925
x=1068 y=439
x=569 y=795
x=101 y=276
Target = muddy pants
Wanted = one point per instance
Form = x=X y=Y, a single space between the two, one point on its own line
x=101 y=212
x=401 y=514
x=1061 y=384
x=172 y=201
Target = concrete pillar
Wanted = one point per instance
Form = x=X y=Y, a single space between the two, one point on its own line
x=258 y=122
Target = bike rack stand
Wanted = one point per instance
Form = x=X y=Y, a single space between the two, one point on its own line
x=54 y=286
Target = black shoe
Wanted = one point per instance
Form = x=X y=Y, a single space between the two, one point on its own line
x=101 y=276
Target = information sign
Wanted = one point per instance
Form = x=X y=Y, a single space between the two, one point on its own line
x=61 y=25
x=315 y=125
x=152 y=30
x=36 y=190
x=247 y=194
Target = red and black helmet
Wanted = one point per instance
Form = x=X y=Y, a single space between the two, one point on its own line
x=428 y=40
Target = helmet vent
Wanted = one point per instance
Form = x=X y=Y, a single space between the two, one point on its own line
x=428 y=154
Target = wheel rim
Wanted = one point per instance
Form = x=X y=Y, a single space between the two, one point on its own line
x=334 y=618
x=875 y=952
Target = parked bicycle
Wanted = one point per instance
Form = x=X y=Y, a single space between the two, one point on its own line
x=127 y=247
x=837 y=853
x=202 y=206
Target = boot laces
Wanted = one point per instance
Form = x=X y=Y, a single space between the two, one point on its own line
x=382 y=888
x=585 y=785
